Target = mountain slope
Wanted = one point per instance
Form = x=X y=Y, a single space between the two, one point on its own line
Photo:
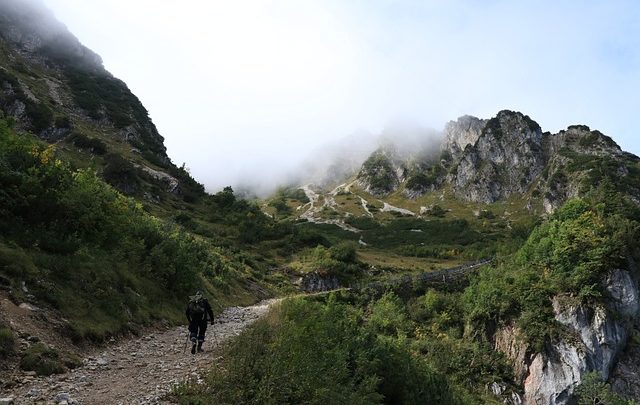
x=100 y=233
x=56 y=88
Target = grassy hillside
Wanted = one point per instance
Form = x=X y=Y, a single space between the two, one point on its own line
x=83 y=248
x=435 y=346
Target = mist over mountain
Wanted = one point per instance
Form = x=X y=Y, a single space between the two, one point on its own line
x=490 y=261
x=258 y=89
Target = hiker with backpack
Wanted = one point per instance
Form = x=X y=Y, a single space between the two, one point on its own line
x=198 y=313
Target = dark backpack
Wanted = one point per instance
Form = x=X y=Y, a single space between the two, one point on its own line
x=197 y=308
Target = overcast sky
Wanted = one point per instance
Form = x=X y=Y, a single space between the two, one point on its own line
x=246 y=89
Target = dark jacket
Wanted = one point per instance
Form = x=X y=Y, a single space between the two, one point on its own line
x=208 y=312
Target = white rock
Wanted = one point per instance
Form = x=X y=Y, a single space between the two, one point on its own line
x=553 y=375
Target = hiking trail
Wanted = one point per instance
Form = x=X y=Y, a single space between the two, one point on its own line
x=135 y=371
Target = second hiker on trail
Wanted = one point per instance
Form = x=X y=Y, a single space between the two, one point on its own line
x=198 y=313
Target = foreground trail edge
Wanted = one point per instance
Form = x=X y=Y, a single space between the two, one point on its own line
x=136 y=371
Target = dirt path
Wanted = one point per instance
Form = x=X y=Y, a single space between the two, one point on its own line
x=139 y=371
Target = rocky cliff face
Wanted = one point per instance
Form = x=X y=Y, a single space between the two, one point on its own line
x=579 y=157
x=491 y=160
x=597 y=337
x=463 y=132
x=504 y=160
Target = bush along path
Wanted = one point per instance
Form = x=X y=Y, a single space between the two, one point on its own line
x=137 y=371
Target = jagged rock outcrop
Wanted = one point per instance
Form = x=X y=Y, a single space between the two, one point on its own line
x=509 y=341
x=575 y=155
x=170 y=183
x=598 y=337
x=318 y=281
x=381 y=173
x=460 y=133
x=625 y=377
x=505 y=159
x=508 y=155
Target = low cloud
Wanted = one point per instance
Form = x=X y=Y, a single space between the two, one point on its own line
x=247 y=94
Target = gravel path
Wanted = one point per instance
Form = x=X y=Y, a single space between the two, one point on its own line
x=136 y=371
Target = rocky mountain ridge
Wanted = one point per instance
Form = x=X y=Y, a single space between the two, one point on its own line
x=485 y=161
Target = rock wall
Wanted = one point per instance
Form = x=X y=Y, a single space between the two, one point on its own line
x=505 y=159
x=316 y=282
x=460 y=133
x=599 y=336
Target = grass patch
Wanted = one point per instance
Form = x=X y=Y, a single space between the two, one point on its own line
x=7 y=343
x=46 y=361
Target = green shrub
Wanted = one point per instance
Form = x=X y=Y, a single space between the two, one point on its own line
x=42 y=359
x=388 y=316
x=568 y=254
x=63 y=122
x=280 y=204
x=593 y=390
x=314 y=353
x=436 y=211
x=344 y=252
x=294 y=194
x=120 y=173
x=421 y=181
x=95 y=145
x=7 y=342
x=38 y=113
x=486 y=214
x=378 y=171
x=80 y=245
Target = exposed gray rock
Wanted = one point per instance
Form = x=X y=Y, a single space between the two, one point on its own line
x=625 y=377
x=28 y=307
x=508 y=397
x=508 y=341
x=316 y=282
x=171 y=183
x=461 y=133
x=505 y=159
x=600 y=336
x=623 y=290
x=63 y=396
x=490 y=160
x=54 y=134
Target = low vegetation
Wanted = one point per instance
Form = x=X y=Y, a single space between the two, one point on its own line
x=593 y=390
x=46 y=361
x=7 y=342
x=330 y=348
x=92 y=253
x=378 y=171
x=568 y=255
x=309 y=351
